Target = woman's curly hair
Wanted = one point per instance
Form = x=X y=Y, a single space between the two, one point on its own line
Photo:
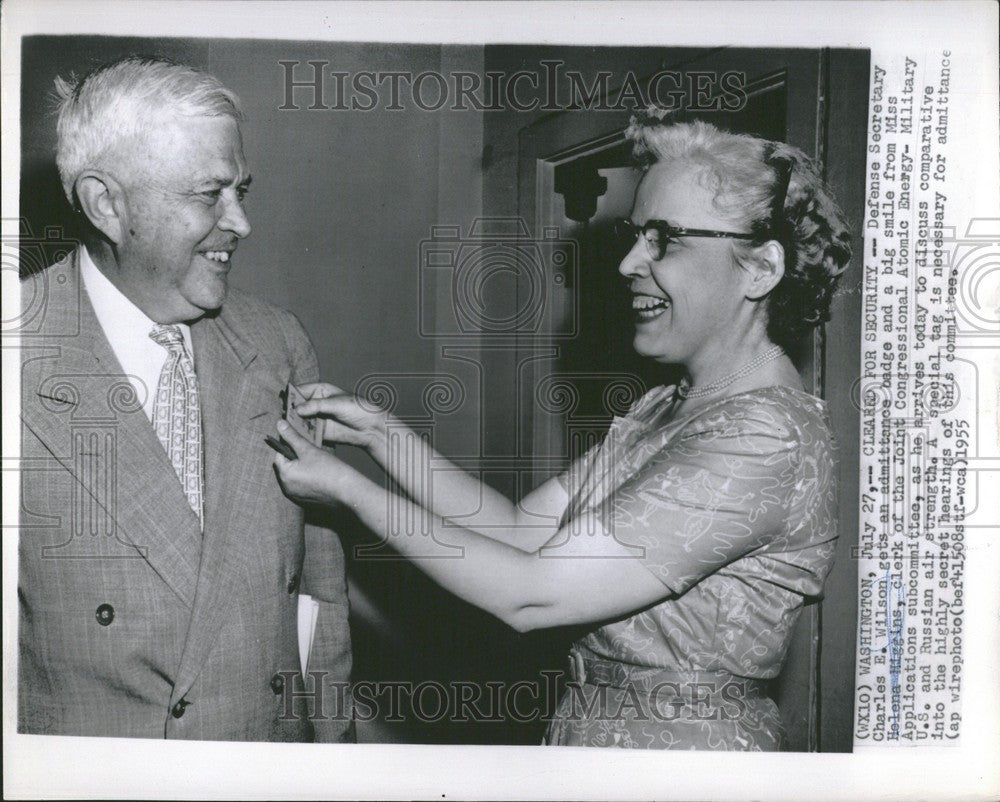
x=776 y=193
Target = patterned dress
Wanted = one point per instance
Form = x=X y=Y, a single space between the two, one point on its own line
x=733 y=509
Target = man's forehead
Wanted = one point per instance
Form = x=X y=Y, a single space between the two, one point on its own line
x=215 y=170
x=198 y=148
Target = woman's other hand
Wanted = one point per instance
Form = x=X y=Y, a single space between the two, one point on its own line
x=316 y=476
x=345 y=418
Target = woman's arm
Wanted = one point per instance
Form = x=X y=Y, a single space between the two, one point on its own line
x=584 y=576
x=431 y=480
x=721 y=492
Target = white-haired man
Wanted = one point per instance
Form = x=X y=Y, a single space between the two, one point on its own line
x=160 y=565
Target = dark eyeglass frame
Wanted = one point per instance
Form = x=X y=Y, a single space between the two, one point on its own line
x=666 y=232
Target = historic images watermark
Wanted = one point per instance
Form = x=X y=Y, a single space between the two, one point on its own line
x=523 y=701
x=456 y=265
x=319 y=86
x=25 y=256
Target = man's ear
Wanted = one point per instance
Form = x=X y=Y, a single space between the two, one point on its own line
x=766 y=266
x=100 y=198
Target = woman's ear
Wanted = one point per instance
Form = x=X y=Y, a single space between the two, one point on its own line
x=99 y=196
x=766 y=266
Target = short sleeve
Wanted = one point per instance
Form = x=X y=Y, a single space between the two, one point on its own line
x=572 y=478
x=711 y=495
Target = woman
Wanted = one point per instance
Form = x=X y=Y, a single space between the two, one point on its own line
x=711 y=505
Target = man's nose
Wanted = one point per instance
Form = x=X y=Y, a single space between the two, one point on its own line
x=234 y=218
x=636 y=261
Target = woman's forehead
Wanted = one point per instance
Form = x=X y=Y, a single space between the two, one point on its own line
x=676 y=191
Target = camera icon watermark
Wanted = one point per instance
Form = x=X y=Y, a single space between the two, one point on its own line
x=907 y=396
x=975 y=278
x=42 y=267
x=498 y=282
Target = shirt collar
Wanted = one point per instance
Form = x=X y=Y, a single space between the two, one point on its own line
x=118 y=316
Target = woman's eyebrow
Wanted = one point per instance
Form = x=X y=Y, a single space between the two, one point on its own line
x=662 y=221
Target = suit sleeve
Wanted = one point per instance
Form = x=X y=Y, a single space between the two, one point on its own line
x=324 y=578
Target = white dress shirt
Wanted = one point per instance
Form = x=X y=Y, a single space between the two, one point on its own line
x=127 y=329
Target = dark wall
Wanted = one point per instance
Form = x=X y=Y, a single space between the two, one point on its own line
x=338 y=205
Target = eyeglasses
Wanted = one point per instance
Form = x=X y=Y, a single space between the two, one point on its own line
x=657 y=234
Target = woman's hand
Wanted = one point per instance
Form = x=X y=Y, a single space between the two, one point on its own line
x=345 y=419
x=317 y=476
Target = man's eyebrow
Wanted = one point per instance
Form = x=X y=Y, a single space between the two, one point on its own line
x=214 y=181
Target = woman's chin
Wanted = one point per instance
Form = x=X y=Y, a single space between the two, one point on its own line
x=650 y=348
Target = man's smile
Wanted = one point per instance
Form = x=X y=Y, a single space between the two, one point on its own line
x=217 y=256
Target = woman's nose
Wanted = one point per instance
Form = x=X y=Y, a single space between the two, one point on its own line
x=636 y=261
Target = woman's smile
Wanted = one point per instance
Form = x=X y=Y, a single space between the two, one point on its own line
x=648 y=307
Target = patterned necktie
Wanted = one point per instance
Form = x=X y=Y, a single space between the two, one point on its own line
x=177 y=416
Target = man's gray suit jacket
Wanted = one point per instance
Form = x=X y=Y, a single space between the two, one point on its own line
x=132 y=622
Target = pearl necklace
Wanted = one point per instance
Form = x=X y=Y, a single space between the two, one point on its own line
x=685 y=390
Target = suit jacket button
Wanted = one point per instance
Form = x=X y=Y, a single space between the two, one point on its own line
x=293 y=583
x=178 y=709
x=105 y=615
x=277 y=684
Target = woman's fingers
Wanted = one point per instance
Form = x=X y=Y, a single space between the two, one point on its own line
x=314 y=476
x=345 y=419
x=343 y=407
x=299 y=444
x=319 y=390
x=336 y=432
x=321 y=405
x=282 y=463
x=296 y=474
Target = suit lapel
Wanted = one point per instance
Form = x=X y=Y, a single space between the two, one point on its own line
x=232 y=394
x=79 y=386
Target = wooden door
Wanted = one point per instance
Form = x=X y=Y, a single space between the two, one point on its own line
x=574 y=177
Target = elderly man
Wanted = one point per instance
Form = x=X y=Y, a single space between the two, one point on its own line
x=160 y=565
